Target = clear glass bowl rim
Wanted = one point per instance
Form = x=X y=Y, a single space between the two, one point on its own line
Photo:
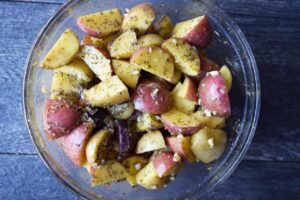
x=235 y=158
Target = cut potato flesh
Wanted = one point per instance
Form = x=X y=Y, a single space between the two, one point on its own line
x=164 y=26
x=154 y=60
x=65 y=86
x=98 y=61
x=93 y=145
x=139 y=18
x=150 y=40
x=210 y=122
x=150 y=142
x=124 y=46
x=98 y=42
x=208 y=144
x=133 y=165
x=63 y=51
x=101 y=24
x=127 y=72
x=148 y=178
x=79 y=69
x=148 y=121
x=226 y=73
x=108 y=172
x=183 y=104
x=109 y=92
x=176 y=77
x=186 y=57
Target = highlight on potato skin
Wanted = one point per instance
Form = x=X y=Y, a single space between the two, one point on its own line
x=137 y=97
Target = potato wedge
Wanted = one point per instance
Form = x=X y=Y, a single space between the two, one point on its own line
x=63 y=51
x=208 y=144
x=176 y=77
x=147 y=121
x=226 y=73
x=107 y=173
x=124 y=46
x=109 y=92
x=101 y=24
x=98 y=42
x=164 y=163
x=188 y=90
x=154 y=60
x=139 y=18
x=148 y=178
x=133 y=165
x=79 y=69
x=164 y=26
x=210 y=122
x=177 y=122
x=186 y=57
x=121 y=111
x=98 y=61
x=182 y=146
x=93 y=145
x=65 y=86
x=150 y=40
x=198 y=31
x=182 y=104
x=150 y=142
x=127 y=72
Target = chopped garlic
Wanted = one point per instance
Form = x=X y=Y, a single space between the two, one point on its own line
x=176 y=158
x=172 y=178
x=44 y=89
x=174 y=40
x=127 y=10
x=212 y=73
x=180 y=136
x=154 y=93
x=135 y=72
x=207 y=113
x=211 y=143
x=150 y=50
x=138 y=166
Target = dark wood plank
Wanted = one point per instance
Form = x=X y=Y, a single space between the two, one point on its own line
x=275 y=42
x=26 y=177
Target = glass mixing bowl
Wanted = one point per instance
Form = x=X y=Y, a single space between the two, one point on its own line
x=229 y=46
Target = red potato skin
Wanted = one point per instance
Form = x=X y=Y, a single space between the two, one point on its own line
x=60 y=117
x=145 y=98
x=175 y=145
x=207 y=65
x=175 y=130
x=164 y=163
x=201 y=35
x=214 y=96
x=86 y=29
x=191 y=91
x=74 y=144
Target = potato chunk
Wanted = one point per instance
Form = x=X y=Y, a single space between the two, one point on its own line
x=109 y=92
x=139 y=18
x=164 y=26
x=226 y=73
x=150 y=142
x=186 y=58
x=124 y=46
x=127 y=72
x=208 y=144
x=154 y=60
x=63 y=51
x=150 y=40
x=101 y=24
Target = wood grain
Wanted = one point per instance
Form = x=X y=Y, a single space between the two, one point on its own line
x=26 y=177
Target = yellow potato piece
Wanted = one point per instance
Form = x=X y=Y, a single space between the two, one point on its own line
x=65 y=86
x=210 y=122
x=108 y=172
x=150 y=142
x=150 y=40
x=133 y=165
x=139 y=18
x=124 y=46
x=182 y=104
x=208 y=144
x=154 y=60
x=127 y=72
x=186 y=58
x=103 y=23
x=148 y=121
x=149 y=179
x=93 y=145
x=79 y=69
x=63 y=51
x=164 y=26
x=109 y=92
x=226 y=73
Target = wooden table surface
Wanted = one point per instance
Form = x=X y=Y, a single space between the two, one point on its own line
x=271 y=168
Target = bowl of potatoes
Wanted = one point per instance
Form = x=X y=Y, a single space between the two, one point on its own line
x=141 y=100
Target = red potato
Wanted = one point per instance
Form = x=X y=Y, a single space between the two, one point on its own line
x=207 y=65
x=197 y=31
x=164 y=163
x=60 y=117
x=182 y=146
x=213 y=95
x=74 y=144
x=151 y=96
x=188 y=90
x=98 y=60
x=177 y=122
